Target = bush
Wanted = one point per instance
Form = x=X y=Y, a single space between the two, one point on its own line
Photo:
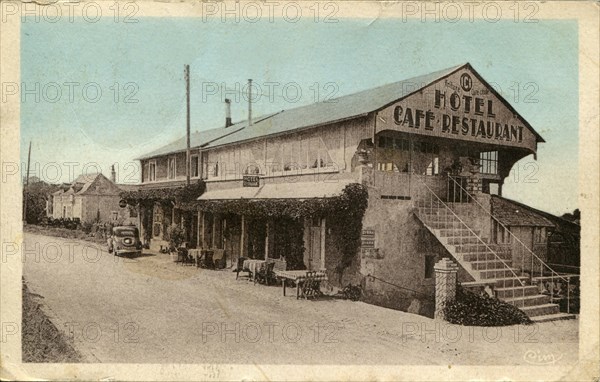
x=86 y=227
x=472 y=309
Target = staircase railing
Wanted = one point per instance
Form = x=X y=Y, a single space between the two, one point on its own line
x=433 y=197
x=553 y=277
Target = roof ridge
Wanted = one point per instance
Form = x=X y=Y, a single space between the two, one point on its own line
x=542 y=212
x=331 y=110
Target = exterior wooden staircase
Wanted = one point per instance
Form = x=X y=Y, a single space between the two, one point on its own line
x=486 y=263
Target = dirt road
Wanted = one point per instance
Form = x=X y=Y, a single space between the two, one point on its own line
x=150 y=310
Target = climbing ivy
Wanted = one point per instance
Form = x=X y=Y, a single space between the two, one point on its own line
x=184 y=196
x=344 y=215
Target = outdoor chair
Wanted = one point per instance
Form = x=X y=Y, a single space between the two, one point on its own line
x=264 y=274
x=219 y=258
x=278 y=265
x=183 y=256
x=240 y=268
x=311 y=286
x=207 y=259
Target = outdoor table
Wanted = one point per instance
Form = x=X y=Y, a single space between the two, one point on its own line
x=298 y=277
x=254 y=266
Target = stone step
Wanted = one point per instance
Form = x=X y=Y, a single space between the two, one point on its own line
x=518 y=291
x=437 y=217
x=430 y=204
x=507 y=282
x=553 y=317
x=473 y=257
x=458 y=232
x=492 y=263
x=541 y=310
x=476 y=248
x=498 y=273
x=536 y=299
x=460 y=240
x=444 y=225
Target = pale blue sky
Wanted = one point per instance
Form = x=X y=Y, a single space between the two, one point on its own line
x=540 y=57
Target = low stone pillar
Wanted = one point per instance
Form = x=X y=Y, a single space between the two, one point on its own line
x=445 y=284
x=366 y=175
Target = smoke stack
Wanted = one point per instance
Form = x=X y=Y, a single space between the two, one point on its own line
x=250 y=102
x=228 y=112
x=113 y=174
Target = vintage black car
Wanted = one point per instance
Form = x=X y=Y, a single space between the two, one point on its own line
x=125 y=240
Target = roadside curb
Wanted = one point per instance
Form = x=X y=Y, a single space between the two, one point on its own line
x=59 y=324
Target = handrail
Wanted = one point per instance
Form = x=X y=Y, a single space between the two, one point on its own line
x=507 y=230
x=399 y=287
x=473 y=232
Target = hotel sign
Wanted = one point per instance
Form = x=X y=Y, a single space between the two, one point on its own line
x=460 y=107
x=251 y=181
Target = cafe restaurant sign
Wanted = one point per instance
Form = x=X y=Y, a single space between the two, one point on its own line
x=460 y=107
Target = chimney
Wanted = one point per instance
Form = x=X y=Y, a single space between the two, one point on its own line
x=228 y=112
x=250 y=102
x=113 y=174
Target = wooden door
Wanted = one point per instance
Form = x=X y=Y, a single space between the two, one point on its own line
x=314 y=251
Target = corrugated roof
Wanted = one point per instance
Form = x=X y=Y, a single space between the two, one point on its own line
x=201 y=138
x=317 y=114
x=337 y=109
x=512 y=214
x=300 y=190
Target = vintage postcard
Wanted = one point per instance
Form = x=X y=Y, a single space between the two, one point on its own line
x=299 y=190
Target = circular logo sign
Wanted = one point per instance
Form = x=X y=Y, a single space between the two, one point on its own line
x=466 y=83
x=122 y=203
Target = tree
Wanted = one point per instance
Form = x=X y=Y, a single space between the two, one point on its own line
x=37 y=192
x=574 y=217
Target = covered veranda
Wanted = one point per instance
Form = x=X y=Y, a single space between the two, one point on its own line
x=278 y=221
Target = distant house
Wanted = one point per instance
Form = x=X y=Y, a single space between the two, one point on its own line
x=91 y=197
x=552 y=238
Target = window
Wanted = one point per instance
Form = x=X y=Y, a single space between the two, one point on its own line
x=488 y=162
x=401 y=144
x=204 y=165
x=501 y=235
x=434 y=167
x=386 y=166
x=171 y=167
x=539 y=235
x=429 y=264
x=194 y=163
x=152 y=171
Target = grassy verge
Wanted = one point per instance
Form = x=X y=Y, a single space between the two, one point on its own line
x=63 y=232
x=41 y=340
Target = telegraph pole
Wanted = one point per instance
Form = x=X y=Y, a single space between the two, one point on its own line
x=250 y=102
x=187 y=153
x=26 y=185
